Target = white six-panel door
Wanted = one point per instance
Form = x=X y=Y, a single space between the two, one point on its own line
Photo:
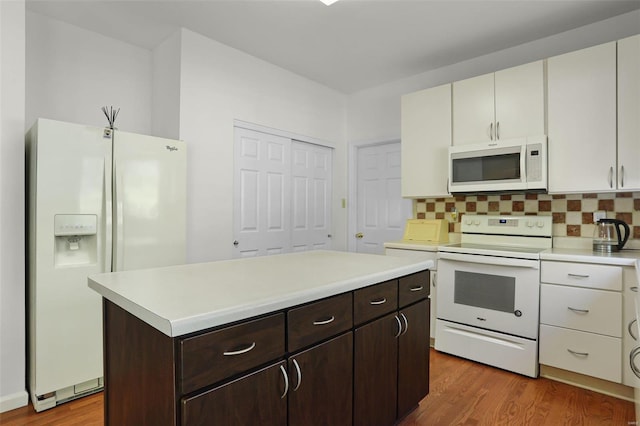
x=381 y=210
x=262 y=194
x=311 y=196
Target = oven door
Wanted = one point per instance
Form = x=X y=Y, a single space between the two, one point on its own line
x=493 y=293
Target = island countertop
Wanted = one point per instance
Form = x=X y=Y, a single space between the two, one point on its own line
x=183 y=299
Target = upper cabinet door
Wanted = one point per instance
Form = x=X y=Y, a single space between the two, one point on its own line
x=473 y=110
x=426 y=138
x=629 y=114
x=503 y=105
x=519 y=100
x=582 y=120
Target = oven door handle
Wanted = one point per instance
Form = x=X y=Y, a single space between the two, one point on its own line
x=490 y=260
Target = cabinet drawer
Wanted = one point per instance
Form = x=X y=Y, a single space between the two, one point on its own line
x=593 y=354
x=413 y=288
x=605 y=277
x=582 y=309
x=374 y=301
x=319 y=320
x=208 y=358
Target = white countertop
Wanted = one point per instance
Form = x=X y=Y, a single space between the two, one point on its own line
x=622 y=258
x=182 y=299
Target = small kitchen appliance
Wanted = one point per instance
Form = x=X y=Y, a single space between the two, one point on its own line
x=607 y=237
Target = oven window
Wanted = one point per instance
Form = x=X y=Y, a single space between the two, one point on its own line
x=494 y=292
x=493 y=167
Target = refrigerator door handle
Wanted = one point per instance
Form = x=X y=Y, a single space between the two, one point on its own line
x=108 y=213
x=118 y=243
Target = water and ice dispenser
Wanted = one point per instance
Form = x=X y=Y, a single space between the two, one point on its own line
x=76 y=239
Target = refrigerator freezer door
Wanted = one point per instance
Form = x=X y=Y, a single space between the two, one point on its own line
x=70 y=173
x=149 y=201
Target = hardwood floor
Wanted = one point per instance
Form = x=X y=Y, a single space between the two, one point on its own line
x=462 y=393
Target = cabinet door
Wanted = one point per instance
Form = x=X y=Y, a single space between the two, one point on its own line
x=255 y=399
x=413 y=357
x=473 y=110
x=519 y=101
x=376 y=372
x=582 y=120
x=629 y=113
x=426 y=138
x=321 y=384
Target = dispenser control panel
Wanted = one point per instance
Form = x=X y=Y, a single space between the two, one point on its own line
x=75 y=224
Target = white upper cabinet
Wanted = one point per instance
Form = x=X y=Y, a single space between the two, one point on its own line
x=629 y=114
x=503 y=105
x=426 y=138
x=582 y=120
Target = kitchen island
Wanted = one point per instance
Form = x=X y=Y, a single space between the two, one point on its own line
x=318 y=337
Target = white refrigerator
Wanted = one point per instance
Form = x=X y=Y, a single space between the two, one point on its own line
x=99 y=200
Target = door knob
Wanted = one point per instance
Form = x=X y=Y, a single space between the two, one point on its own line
x=359 y=235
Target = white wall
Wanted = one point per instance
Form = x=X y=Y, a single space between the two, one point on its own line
x=12 y=279
x=219 y=85
x=374 y=114
x=165 y=105
x=72 y=73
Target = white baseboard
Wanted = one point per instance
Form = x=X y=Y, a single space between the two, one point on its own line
x=13 y=401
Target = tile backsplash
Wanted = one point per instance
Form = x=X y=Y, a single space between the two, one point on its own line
x=572 y=213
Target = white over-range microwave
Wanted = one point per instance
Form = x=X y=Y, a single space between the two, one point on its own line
x=499 y=166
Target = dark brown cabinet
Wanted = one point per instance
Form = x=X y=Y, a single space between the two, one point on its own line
x=391 y=356
x=305 y=365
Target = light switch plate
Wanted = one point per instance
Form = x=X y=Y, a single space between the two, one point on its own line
x=599 y=215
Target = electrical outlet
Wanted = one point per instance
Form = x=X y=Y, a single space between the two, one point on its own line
x=599 y=215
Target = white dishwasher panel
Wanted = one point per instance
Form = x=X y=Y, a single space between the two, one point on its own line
x=581 y=309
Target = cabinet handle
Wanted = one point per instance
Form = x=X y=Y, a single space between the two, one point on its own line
x=497 y=130
x=621 y=176
x=378 y=302
x=611 y=177
x=632 y=356
x=435 y=279
x=578 y=311
x=630 y=328
x=634 y=289
x=491 y=131
x=406 y=323
x=299 y=373
x=323 y=322
x=416 y=288
x=286 y=382
x=578 y=276
x=240 y=351
x=585 y=354
x=399 y=327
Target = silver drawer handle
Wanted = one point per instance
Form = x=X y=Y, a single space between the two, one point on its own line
x=578 y=311
x=378 y=302
x=578 y=276
x=286 y=382
x=630 y=327
x=241 y=351
x=325 y=321
x=635 y=289
x=416 y=289
x=578 y=353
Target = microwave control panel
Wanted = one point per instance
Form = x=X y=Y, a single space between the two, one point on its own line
x=534 y=162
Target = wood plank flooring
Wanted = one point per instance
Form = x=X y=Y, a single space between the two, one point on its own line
x=462 y=393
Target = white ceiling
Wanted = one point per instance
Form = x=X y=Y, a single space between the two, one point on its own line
x=350 y=45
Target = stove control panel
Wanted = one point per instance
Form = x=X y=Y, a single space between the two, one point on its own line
x=508 y=225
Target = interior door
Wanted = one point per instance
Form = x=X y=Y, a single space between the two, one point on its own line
x=381 y=210
x=262 y=194
x=150 y=187
x=311 y=197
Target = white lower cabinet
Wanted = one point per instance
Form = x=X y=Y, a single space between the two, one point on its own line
x=630 y=339
x=581 y=312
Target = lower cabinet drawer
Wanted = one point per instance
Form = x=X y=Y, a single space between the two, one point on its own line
x=585 y=353
x=211 y=357
x=582 y=309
